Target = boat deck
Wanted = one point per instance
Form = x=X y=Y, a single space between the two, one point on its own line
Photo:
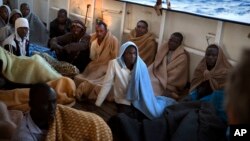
x=107 y=109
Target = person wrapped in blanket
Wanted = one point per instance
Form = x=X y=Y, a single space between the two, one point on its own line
x=18 y=42
x=210 y=78
x=48 y=121
x=4 y=22
x=133 y=93
x=15 y=14
x=104 y=47
x=38 y=31
x=169 y=71
x=145 y=41
x=19 y=73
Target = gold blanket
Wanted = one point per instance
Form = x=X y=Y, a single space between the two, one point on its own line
x=75 y=125
x=17 y=99
x=147 y=46
x=29 y=70
x=90 y=81
x=97 y=68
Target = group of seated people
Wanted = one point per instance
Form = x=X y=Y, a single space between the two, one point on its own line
x=38 y=33
x=147 y=85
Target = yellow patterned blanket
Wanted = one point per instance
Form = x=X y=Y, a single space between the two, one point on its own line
x=75 y=125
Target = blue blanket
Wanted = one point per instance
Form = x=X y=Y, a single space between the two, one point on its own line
x=38 y=48
x=216 y=98
x=140 y=90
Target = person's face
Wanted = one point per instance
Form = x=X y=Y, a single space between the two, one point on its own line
x=4 y=13
x=25 y=9
x=100 y=32
x=174 y=42
x=44 y=106
x=141 y=29
x=61 y=17
x=76 y=30
x=22 y=31
x=130 y=55
x=14 y=17
x=211 y=57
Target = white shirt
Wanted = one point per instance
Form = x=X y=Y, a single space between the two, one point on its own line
x=118 y=78
x=27 y=130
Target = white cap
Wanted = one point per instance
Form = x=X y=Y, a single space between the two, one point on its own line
x=21 y=22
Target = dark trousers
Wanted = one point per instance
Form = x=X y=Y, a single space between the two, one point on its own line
x=131 y=111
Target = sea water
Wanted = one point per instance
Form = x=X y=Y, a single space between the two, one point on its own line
x=229 y=10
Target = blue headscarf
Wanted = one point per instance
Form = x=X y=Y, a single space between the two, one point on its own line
x=140 y=90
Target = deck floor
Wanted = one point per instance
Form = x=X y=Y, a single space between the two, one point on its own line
x=107 y=109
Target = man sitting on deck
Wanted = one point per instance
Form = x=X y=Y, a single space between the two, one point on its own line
x=18 y=42
x=38 y=31
x=169 y=71
x=61 y=25
x=145 y=41
x=4 y=22
x=133 y=92
x=104 y=47
x=73 y=47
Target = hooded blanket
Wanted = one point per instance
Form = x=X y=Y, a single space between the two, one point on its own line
x=5 y=29
x=140 y=91
x=38 y=32
x=216 y=77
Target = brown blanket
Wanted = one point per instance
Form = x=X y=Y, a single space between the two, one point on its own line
x=171 y=77
x=75 y=125
x=216 y=76
x=147 y=46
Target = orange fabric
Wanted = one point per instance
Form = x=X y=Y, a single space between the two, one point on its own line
x=97 y=68
x=17 y=99
x=172 y=76
x=216 y=76
x=147 y=46
x=89 y=82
